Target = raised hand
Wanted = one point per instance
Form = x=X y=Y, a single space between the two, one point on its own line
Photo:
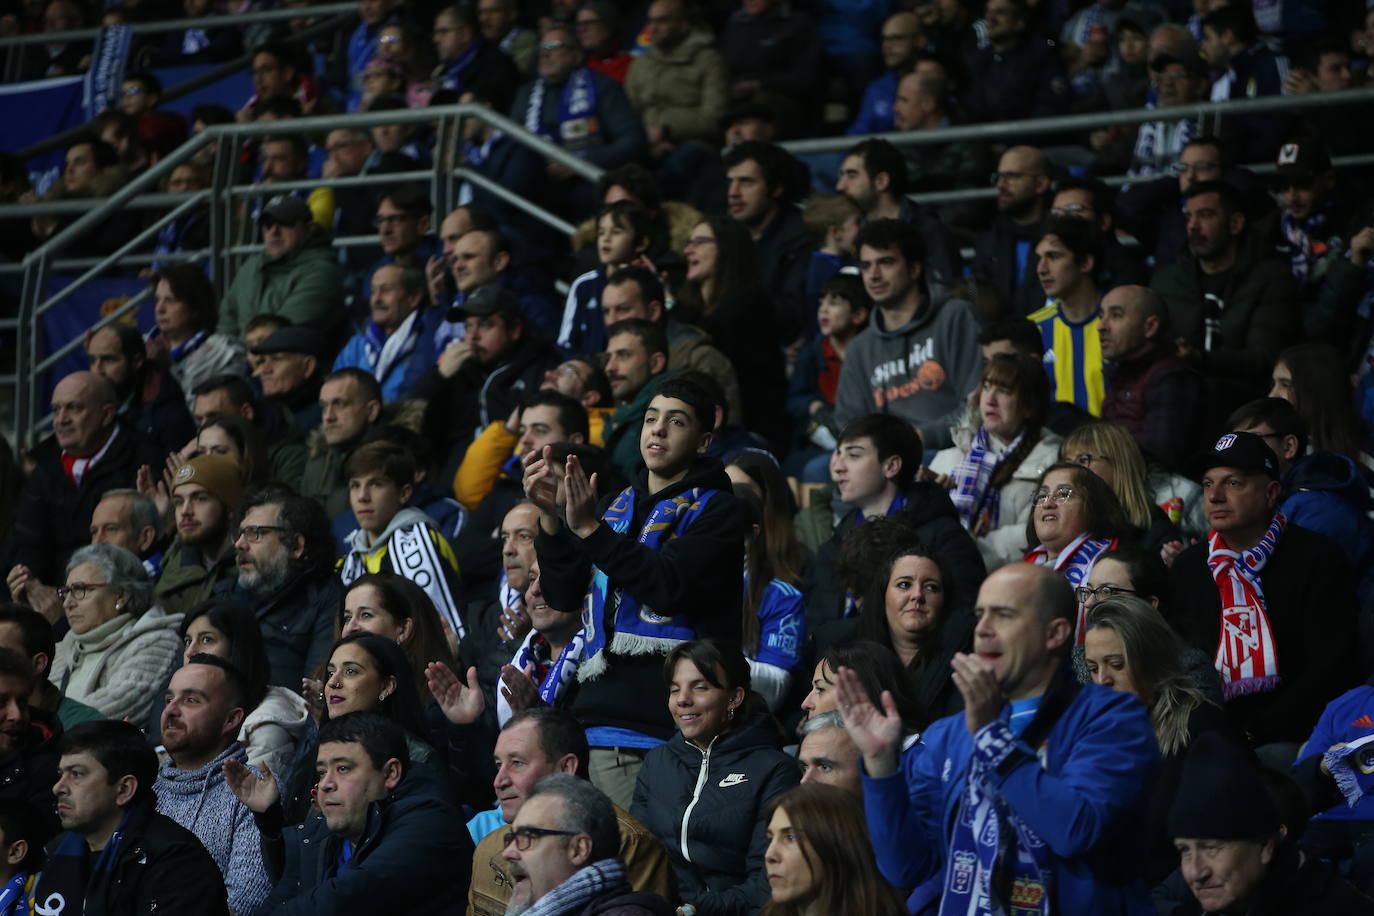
x=983 y=697
x=877 y=733
x=581 y=498
x=255 y=788
x=313 y=691
x=518 y=687
x=541 y=486
x=461 y=704
x=154 y=489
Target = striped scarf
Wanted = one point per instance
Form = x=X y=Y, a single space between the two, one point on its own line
x=584 y=885
x=1305 y=247
x=553 y=675
x=1247 y=657
x=971 y=494
x=1074 y=563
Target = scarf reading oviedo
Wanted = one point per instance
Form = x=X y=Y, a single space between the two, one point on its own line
x=578 y=126
x=615 y=619
x=1247 y=657
x=1074 y=563
x=971 y=494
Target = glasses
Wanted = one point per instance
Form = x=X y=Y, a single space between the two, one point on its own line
x=253 y=533
x=1058 y=494
x=1087 y=458
x=1193 y=168
x=997 y=177
x=554 y=46
x=524 y=837
x=1102 y=592
x=79 y=590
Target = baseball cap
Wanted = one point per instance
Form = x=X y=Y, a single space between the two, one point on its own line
x=1243 y=451
x=1302 y=157
x=219 y=474
x=292 y=340
x=487 y=300
x=287 y=209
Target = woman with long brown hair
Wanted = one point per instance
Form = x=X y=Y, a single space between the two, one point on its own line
x=819 y=858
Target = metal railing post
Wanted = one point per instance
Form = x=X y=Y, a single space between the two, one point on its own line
x=26 y=346
x=220 y=207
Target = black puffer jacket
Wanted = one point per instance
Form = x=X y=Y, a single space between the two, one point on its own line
x=707 y=808
x=27 y=771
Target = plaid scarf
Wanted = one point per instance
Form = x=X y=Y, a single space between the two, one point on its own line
x=1247 y=658
x=584 y=886
x=1304 y=252
x=1075 y=562
x=971 y=494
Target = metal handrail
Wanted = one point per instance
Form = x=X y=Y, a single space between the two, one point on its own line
x=1003 y=130
x=176 y=25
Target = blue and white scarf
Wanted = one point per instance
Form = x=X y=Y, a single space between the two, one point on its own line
x=561 y=671
x=997 y=865
x=1157 y=145
x=14 y=896
x=452 y=77
x=1299 y=235
x=615 y=619
x=578 y=127
x=971 y=494
x=1074 y=563
x=1351 y=766
x=386 y=351
x=104 y=81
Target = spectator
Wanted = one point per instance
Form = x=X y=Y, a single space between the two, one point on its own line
x=363 y=44
x=923 y=102
x=1246 y=299
x=499 y=616
x=362 y=666
x=1068 y=254
x=1325 y=65
x=296 y=276
x=198 y=46
x=817 y=856
x=350 y=406
x=393 y=538
x=1235 y=850
x=206 y=494
x=533 y=744
x=285 y=558
x=397 y=345
x=623 y=236
x=833 y=221
x=764 y=183
x=58 y=59
x=597 y=35
x=286 y=157
x=917 y=358
x=1310 y=377
x=159 y=132
x=481 y=377
x=1003 y=261
x=105 y=801
x=1015 y=75
x=278 y=72
x=717 y=858
x=1264 y=570
x=636 y=292
x=1091 y=200
x=119 y=648
x=28 y=748
x=843 y=313
x=151 y=404
x=1076 y=518
x=274 y=728
x=1231 y=43
x=28 y=633
x=1021 y=645
x=721 y=294
x=993 y=466
x=377 y=822
x=87 y=454
x=92 y=169
x=772 y=53
x=584 y=870
x=636 y=366
x=827 y=755
x=186 y=313
x=394 y=607
x=774 y=625
x=694 y=580
x=1177 y=81
x=678 y=87
x=351 y=153
x=874 y=174
x=403 y=223
x=581 y=110
x=497 y=20
x=1108 y=451
x=483 y=257
x=1151 y=392
x=1129 y=648
x=464 y=55
x=902 y=38
x=207 y=701
x=875 y=473
x=234 y=437
x=290 y=375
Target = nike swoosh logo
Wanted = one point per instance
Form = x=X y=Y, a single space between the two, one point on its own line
x=733 y=779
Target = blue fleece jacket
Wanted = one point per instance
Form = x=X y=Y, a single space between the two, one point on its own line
x=875 y=111
x=1084 y=792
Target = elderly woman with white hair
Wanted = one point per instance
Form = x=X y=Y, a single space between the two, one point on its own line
x=120 y=649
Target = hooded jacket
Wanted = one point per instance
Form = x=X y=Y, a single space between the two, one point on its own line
x=120 y=667
x=683 y=90
x=921 y=371
x=410 y=859
x=707 y=808
x=428 y=561
x=272 y=733
x=304 y=286
x=202 y=802
x=698 y=574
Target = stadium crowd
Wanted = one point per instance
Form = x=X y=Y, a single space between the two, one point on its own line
x=775 y=543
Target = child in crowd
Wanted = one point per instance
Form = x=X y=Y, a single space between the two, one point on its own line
x=843 y=313
x=833 y=220
x=624 y=232
x=395 y=539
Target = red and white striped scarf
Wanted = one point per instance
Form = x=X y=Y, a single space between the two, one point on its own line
x=1247 y=657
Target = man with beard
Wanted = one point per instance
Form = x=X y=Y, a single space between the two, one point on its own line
x=1004 y=256
x=151 y=403
x=350 y=405
x=483 y=376
x=285 y=553
x=1231 y=306
x=206 y=492
x=207 y=700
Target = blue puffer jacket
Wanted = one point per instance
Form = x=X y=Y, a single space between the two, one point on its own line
x=1326 y=492
x=1084 y=791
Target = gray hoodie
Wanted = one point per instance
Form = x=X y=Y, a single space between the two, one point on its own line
x=921 y=371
